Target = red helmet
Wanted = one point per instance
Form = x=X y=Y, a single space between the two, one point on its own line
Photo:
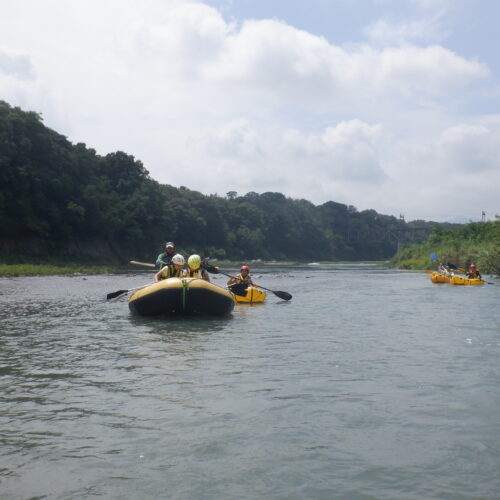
x=473 y=265
x=244 y=268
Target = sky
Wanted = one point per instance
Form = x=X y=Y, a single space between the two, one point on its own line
x=391 y=105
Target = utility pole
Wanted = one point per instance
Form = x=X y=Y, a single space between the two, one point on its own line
x=483 y=216
x=390 y=233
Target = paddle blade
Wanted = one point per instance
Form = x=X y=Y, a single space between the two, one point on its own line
x=113 y=295
x=211 y=269
x=433 y=256
x=238 y=289
x=283 y=295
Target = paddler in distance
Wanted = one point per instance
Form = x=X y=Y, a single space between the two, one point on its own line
x=473 y=273
x=243 y=277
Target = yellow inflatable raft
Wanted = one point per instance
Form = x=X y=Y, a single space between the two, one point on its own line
x=253 y=296
x=439 y=278
x=181 y=296
x=462 y=280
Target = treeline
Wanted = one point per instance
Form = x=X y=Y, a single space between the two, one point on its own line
x=63 y=200
x=477 y=242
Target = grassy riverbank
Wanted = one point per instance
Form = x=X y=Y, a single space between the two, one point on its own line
x=477 y=243
x=10 y=270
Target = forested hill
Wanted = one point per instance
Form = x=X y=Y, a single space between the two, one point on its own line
x=60 y=200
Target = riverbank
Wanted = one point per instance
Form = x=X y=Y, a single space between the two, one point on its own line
x=12 y=270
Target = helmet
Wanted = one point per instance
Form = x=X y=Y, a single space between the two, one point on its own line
x=244 y=268
x=169 y=244
x=194 y=261
x=473 y=265
x=178 y=259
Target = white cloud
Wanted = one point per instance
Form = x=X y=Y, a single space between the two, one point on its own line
x=257 y=107
x=471 y=148
x=16 y=65
x=390 y=32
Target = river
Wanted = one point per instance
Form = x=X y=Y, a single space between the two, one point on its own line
x=370 y=383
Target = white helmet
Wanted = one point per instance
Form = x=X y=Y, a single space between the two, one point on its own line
x=178 y=259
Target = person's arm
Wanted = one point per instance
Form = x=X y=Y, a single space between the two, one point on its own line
x=205 y=275
x=159 y=260
x=158 y=276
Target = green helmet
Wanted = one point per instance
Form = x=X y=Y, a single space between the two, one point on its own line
x=194 y=261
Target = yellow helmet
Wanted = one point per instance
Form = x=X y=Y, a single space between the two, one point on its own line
x=194 y=261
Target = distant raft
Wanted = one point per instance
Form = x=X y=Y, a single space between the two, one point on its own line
x=462 y=280
x=439 y=278
x=253 y=296
x=181 y=296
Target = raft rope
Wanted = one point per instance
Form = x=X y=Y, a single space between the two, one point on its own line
x=185 y=288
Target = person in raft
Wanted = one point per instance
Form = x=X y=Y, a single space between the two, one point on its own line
x=165 y=258
x=243 y=278
x=173 y=270
x=473 y=273
x=194 y=269
x=445 y=269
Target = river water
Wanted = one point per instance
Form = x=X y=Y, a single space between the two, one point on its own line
x=369 y=384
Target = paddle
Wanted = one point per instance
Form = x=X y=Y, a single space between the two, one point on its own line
x=113 y=295
x=145 y=264
x=238 y=289
x=433 y=256
x=281 y=295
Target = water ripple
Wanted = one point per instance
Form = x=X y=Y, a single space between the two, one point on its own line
x=366 y=385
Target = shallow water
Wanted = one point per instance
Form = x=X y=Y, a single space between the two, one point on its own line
x=368 y=384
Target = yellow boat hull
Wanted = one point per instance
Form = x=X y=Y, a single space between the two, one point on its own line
x=253 y=296
x=439 y=278
x=461 y=280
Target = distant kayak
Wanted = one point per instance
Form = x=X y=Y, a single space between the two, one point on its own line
x=462 y=280
x=253 y=296
x=181 y=296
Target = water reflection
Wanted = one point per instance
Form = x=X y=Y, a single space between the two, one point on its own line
x=180 y=325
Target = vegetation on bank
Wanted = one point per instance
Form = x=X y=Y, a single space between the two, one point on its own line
x=64 y=200
x=12 y=270
x=477 y=242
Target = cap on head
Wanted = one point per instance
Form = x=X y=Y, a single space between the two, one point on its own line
x=194 y=261
x=178 y=259
x=244 y=268
x=169 y=244
x=473 y=265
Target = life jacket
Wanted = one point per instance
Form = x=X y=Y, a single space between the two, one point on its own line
x=243 y=281
x=170 y=272
x=473 y=274
x=194 y=273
